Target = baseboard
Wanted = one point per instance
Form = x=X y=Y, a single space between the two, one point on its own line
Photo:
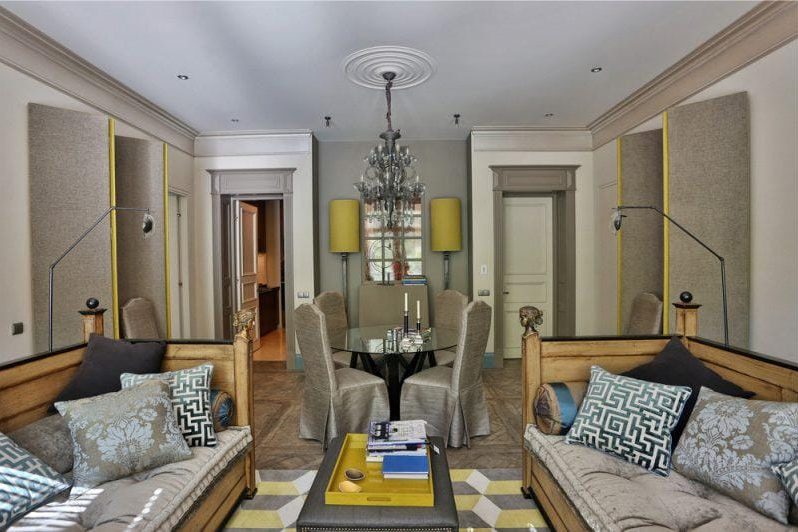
x=489 y=361
x=299 y=364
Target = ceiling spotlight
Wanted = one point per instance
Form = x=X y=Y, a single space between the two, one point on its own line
x=596 y=69
x=234 y=120
x=182 y=77
x=327 y=121
x=549 y=115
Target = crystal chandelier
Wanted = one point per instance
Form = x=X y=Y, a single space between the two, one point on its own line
x=390 y=182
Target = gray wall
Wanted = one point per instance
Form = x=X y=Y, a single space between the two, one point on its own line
x=443 y=167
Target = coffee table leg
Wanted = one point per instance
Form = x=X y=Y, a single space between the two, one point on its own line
x=432 y=361
x=394 y=386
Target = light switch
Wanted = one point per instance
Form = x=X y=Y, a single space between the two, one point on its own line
x=483 y=292
x=17 y=328
x=483 y=269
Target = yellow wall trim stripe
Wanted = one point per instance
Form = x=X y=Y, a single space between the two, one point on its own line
x=666 y=307
x=112 y=173
x=619 y=247
x=167 y=282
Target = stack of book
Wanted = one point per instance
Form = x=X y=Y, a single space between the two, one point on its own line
x=414 y=280
x=401 y=446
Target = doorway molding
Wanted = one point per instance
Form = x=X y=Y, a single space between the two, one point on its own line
x=253 y=184
x=559 y=183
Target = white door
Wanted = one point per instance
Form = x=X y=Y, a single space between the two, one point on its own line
x=178 y=267
x=247 y=263
x=528 y=264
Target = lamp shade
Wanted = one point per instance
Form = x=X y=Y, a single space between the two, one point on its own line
x=445 y=224
x=344 y=226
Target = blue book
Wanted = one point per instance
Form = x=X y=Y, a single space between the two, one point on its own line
x=405 y=466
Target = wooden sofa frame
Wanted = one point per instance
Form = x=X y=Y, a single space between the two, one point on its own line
x=547 y=360
x=28 y=387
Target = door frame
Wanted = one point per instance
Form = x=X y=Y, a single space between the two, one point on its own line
x=558 y=183
x=183 y=214
x=254 y=185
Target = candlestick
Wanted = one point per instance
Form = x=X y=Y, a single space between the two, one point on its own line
x=406 y=323
x=418 y=325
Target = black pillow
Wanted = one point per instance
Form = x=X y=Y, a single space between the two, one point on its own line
x=676 y=365
x=105 y=361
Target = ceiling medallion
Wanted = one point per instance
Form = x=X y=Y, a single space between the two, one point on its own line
x=410 y=67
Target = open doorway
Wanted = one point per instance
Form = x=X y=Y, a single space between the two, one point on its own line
x=254 y=265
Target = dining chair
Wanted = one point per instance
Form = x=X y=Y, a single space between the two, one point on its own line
x=334 y=401
x=452 y=400
x=646 y=315
x=138 y=319
x=449 y=306
x=334 y=308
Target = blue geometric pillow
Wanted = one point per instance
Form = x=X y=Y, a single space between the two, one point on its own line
x=25 y=482
x=629 y=418
x=788 y=473
x=191 y=398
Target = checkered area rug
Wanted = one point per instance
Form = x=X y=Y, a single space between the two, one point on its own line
x=487 y=499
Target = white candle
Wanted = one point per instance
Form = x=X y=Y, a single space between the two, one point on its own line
x=405 y=301
x=418 y=310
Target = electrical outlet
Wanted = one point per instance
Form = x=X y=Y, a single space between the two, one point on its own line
x=17 y=328
x=303 y=295
x=483 y=292
x=483 y=270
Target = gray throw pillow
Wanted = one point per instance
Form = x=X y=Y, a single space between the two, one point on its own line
x=48 y=439
x=629 y=418
x=730 y=444
x=121 y=433
x=191 y=398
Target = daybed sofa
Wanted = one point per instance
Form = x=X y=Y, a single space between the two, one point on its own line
x=194 y=494
x=579 y=488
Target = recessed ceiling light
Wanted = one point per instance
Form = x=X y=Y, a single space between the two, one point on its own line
x=182 y=77
x=596 y=69
x=234 y=120
x=549 y=115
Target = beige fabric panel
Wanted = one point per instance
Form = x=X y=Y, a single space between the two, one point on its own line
x=139 y=183
x=709 y=155
x=384 y=304
x=642 y=243
x=69 y=190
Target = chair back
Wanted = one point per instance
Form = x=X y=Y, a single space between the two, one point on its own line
x=646 y=315
x=334 y=309
x=449 y=307
x=311 y=334
x=474 y=332
x=138 y=319
x=384 y=304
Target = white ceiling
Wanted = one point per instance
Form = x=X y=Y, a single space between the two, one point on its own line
x=279 y=65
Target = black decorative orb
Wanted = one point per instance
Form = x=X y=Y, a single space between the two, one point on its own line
x=686 y=297
x=92 y=303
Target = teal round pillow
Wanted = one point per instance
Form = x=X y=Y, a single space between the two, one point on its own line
x=223 y=409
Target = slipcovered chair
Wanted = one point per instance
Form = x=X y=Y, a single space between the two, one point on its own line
x=449 y=307
x=138 y=319
x=334 y=308
x=334 y=401
x=452 y=400
x=646 y=315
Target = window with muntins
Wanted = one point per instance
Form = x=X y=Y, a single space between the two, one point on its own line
x=391 y=253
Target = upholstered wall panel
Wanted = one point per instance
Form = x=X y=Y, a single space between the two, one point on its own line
x=139 y=183
x=641 y=238
x=69 y=190
x=709 y=156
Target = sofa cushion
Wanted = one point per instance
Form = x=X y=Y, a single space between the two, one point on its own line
x=630 y=418
x=191 y=399
x=731 y=444
x=158 y=499
x=677 y=366
x=613 y=495
x=121 y=433
x=556 y=405
x=49 y=440
x=105 y=361
x=223 y=410
x=25 y=481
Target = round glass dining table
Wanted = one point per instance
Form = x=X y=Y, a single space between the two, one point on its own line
x=375 y=350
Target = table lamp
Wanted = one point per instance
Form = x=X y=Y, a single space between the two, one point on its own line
x=344 y=233
x=446 y=233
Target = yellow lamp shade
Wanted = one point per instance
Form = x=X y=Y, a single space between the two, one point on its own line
x=445 y=224
x=344 y=226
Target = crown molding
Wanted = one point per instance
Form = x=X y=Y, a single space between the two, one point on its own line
x=762 y=30
x=531 y=139
x=25 y=48
x=272 y=142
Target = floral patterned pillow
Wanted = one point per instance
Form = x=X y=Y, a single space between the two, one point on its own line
x=730 y=444
x=120 y=433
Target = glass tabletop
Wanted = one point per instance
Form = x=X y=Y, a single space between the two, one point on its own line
x=376 y=340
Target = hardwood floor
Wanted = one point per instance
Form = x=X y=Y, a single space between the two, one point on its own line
x=272 y=347
x=276 y=428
